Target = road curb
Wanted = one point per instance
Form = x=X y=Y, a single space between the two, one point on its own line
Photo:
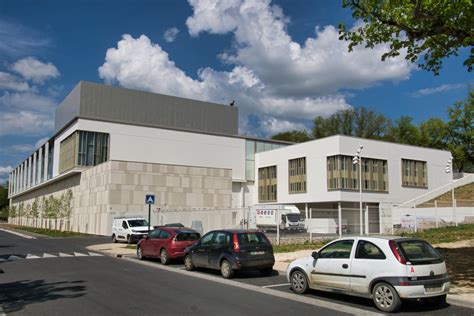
x=460 y=302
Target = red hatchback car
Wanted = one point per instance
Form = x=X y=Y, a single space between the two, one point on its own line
x=167 y=243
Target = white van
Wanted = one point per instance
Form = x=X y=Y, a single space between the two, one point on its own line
x=129 y=229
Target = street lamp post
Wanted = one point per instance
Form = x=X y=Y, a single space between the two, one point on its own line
x=358 y=160
x=449 y=169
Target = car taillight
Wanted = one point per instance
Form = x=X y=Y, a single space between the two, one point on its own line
x=396 y=252
x=236 y=243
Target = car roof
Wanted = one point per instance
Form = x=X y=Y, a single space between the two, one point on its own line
x=235 y=230
x=174 y=228
x=380 y=237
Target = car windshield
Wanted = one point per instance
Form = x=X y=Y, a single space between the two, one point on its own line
x=293 y=217
x=420 y=252
x=137 y=222
x=252 y=239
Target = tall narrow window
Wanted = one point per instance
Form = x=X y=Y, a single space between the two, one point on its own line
x=297 y=175
x=267 y=184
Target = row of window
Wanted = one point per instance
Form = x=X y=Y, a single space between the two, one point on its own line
x=341 y=174
x=83 y=148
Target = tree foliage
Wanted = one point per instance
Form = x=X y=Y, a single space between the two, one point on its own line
x=292 y=136
x=455 y=135
x=434 y=29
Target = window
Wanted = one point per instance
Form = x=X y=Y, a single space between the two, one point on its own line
x=414 y=173
x=137 y=222
x=164 y=234
x=338 y=250
x=83 y=148
x=367 y=250
x=252 y=239
x=154 y=234
x=420 y=252
x=297 y=175
x=267 y=184
x=207 y=239
x=187 y=236
x=341 y=175
x=219 y=239
x=124 y=224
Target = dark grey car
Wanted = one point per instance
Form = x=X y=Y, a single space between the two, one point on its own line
x=231 y=250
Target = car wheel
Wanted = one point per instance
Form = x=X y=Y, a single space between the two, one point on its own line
x=140 y=253
x=129 y=239
x=386 y=298
x=437 y=300
x=299 y=282
x=266 y=271
x=164 y=257
x=114 y=239
x=188 y=263
x=226 y=270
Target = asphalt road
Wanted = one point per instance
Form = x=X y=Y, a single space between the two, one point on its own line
x=63 y=277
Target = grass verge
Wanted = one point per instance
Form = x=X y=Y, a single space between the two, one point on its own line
x=444 y=234
x=296 y=247
x=44 y=231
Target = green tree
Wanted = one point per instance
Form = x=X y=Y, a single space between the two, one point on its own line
x=35 y=210
x=461 y=134
x=66 y=207
x=404 y=131
x=293 y=136
x=434 y=29
x=3 y=195
x=360 y=122
x=21 y=212
x=28 y=214
x=433 y=133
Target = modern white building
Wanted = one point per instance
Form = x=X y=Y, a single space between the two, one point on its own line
x=112 y=146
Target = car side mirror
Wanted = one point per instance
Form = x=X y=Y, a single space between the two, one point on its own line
x=315 y=255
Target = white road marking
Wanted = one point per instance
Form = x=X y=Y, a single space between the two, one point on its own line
x=2 y=312
x=2 y=260
x=290 y=296
x=276 y=285
x=13 y=258
x=47 y=255
x=93 y=254
x=30 y=256
x=78 y=254
x=17 y=233
x=62 y=254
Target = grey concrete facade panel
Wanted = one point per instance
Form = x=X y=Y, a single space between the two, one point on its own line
x=98 y=101
x=68 y=109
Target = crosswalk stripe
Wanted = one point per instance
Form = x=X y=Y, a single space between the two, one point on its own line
x=93 y=254
x=13 y=257
x=62 y=254
x=30 y=256
x=78 y=254
x=47 y=255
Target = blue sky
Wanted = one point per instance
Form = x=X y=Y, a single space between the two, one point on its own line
x=280 y=60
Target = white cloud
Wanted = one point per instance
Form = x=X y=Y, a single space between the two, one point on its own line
x=12 y=82
x=283 y=83
x=438 y=89
x=32 y=69
x=17 y=149
x=322 y=65
x=171 y=34
x=5 y=170
x=16 y=39
x=27 y=101
x=25 y=123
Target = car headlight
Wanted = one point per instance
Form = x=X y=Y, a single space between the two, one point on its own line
x=134 y=231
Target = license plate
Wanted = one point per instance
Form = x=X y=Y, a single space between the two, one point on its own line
x=256 y=253
x=433 y=289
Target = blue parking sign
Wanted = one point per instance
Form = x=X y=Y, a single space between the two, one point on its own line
x=150 y=199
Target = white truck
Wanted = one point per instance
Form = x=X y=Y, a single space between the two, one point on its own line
x=267 y=217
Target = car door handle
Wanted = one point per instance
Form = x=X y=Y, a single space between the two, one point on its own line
x=345 y=266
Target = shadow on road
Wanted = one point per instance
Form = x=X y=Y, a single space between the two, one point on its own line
x=16 y=295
